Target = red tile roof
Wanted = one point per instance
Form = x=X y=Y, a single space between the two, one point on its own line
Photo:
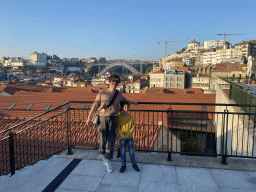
x=147 y=123
x=159 y=71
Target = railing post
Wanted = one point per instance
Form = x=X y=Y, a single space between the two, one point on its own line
x=11 y=153
x=69 y=131
x=168 y=130
x=224 y=137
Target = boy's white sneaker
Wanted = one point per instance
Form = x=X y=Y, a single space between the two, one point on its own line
x=109 y=166
x=104 y=161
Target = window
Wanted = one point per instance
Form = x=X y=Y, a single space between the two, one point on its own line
x=179 y=85
x=29 y=106
x=86 y=107
x=179 y=79
x=172 y=78
x=62 y=100
x=47 y=107
x=166 y=84
x=12 y=105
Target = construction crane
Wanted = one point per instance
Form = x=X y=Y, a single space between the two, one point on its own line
x=225 y=37
x=172 y=41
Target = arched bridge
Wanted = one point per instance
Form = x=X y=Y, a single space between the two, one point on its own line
x=132 y=69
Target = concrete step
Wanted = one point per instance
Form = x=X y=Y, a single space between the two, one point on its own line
x=36 y=177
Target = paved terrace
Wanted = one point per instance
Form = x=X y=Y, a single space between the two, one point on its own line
x=184 y=173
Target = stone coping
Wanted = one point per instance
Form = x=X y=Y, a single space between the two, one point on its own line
x=241 y=164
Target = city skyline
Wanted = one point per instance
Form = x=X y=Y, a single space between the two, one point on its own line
x=115 y=30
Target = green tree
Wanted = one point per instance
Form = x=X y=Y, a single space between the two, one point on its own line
x=218 y=47
x=185 y=65
x=126 y=77
x=102 y=60
x=253 y=41
x=148 y=70
x=183 y=49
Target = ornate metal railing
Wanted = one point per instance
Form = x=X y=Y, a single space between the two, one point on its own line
x=174 y=128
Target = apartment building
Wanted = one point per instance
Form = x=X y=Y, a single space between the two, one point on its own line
x=174 y=79
x=38 y=56
x=209 y=58
x=136 y=86
x=157 y=78
x=135 y=77
x=100 y=81
x=226 y=70
x=213 y=44
x=201 y=81
x=245 y=49
x=168 y=66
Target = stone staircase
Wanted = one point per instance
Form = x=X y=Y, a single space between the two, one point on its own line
x=34 y=178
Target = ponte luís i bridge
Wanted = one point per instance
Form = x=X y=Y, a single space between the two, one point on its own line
x=129 y=66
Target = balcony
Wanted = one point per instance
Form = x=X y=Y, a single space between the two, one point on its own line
x=176 y=134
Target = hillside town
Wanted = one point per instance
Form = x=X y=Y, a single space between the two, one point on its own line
x=195 y=66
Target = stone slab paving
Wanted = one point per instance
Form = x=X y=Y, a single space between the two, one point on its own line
x=184 y=173
x=177 y=160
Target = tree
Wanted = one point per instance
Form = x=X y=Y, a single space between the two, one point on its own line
x=185 y=65
x=218 y=47
x=253 y=41
x=102 y=60
x=183 y=49
x=148 y=70
x=126 y=77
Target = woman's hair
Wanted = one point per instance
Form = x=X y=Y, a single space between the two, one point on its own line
x=123 y=103
x=114 y=77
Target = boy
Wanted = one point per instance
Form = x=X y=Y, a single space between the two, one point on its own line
x=125 y=128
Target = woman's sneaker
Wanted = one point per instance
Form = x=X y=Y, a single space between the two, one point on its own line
x=104 y=161
x=122 y=169
x=136 y=168
x=109 y=166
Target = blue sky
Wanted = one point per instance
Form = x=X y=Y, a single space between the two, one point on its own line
x=118 y=29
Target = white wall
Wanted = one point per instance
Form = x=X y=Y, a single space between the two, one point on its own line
x=240 y=129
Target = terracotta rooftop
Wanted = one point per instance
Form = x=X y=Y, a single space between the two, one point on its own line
x=222 y=67
x=183 y=68
x=200 y=75
x=137 y=74
x=147 y=123
x=159 y=71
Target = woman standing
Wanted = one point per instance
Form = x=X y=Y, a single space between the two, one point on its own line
x=108 y=118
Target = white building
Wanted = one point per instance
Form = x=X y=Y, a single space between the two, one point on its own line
x=213 y=44
x=157 y=79
x=193 y=44
x=209 y=58
x=38 y=57
x=201 y=81
x=37 y=63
